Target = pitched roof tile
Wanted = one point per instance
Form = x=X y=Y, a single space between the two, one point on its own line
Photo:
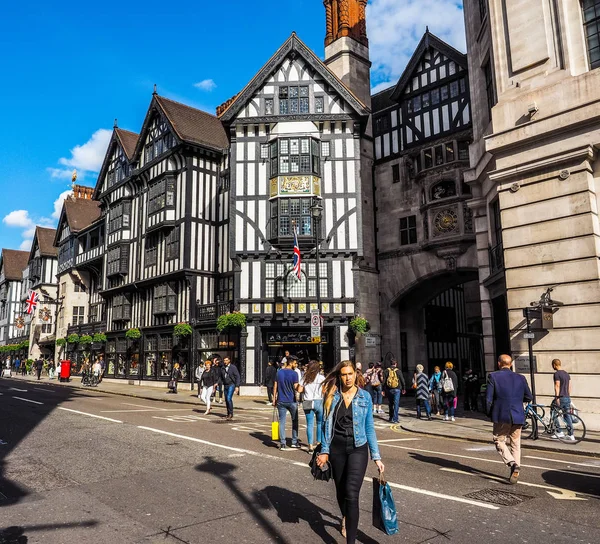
x=128 y=141
x=14 y=263
x=81 y=212
x=45 y=238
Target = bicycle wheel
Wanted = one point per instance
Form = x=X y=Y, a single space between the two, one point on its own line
x=529 y=430
x=577 y=425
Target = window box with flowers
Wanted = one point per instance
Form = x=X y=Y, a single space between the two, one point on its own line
x=181 y=333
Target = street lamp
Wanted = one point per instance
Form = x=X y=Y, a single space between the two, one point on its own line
x=317 y=210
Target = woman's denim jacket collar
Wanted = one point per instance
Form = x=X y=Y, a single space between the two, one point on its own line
x=364 y=427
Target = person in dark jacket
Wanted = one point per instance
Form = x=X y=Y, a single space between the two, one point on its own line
x=450 y=396
x=269 y=382
x=175 y=377
x=230 y=376
x=207 y=381
x=39 y=365
x=505 y=394
x=394 y=384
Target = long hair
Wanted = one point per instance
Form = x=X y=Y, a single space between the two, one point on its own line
x=332 y=383
x=312 y=371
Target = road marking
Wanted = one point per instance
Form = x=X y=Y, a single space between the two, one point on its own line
x=416 y=450
x=15 y=389
x=44 y=390
x=482 y=448
x=141 y=410
x=398 y=440
x=441 y=495
x=182 y=419
x=28 y=400
x=90 y=415
x=592 y=465
x=556 y=492
x=305 y=465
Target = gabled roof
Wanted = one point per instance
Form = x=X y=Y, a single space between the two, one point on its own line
x=13 y=263
x=45 y=241
x=292 y=44
x=128 y=141
x=428 y=40
x=382 y=100
x=78 y=213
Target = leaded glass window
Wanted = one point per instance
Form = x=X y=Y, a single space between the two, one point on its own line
x=319 y=104
x=591 y=22
x=293 y=100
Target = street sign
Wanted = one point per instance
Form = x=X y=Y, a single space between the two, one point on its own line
x=547 y=318
x=315 y=321
x=315 y=332
x=528 y=335
x=316 y=339
x=522 y=364
x=370 y=341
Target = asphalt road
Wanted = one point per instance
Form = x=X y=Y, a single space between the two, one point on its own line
x=85 y=466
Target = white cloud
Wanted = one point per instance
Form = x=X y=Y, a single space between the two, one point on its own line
x=395 y=29
x=26 y=244
x=58 y=204
x=206 y=85
x=87 y=157
x=18 y=218
x=382 y=86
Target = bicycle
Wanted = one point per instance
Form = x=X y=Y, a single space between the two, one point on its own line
x=556 y=424
x=90 y=379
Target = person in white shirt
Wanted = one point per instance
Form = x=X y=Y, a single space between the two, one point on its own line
x=97 y=369
x=311 y=385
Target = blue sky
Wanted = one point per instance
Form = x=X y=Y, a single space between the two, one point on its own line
x=69 y=69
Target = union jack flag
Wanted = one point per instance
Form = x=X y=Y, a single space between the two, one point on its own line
x=297 y=257
x=32 y=302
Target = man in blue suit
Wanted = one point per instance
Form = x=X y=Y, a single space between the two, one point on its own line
x=506 y=392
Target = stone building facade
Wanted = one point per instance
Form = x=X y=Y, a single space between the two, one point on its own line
x=535 y=182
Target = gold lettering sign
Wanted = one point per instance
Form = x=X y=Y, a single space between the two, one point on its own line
x=295 y=185
x=316 y=186
x=291 y=308
x=274 y=187
x=301 y=308
x=279 y=308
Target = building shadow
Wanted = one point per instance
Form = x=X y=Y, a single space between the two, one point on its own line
x=266 y=439
x=579 y=482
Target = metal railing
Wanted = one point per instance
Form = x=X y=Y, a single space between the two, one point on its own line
x=207 y=313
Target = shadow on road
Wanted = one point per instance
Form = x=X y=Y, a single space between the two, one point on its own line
x=266 y=440
x=16 y=534
x=454 y=465
x=577 y=482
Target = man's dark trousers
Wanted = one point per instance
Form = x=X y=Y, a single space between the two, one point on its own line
x=393 y=396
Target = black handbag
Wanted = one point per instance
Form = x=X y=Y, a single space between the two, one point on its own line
x=317 y=472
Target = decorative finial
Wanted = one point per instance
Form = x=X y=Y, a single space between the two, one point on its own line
x=115 y=125
x=73 y=180
x=155 y=92
x=427 y=29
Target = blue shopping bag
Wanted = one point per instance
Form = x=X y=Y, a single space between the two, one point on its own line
x=384 y=509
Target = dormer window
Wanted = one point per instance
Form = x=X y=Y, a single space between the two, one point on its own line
x=293 y=100
x=295 y=156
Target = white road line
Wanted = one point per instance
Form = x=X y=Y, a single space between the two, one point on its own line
x=556 y=492
x=89 y=415
x=15 y=389
x=28 y=400
x=440 y=495
x=442 y=455
x=44 y=390
x=592 y=465
x=305 y=465
x=398 y=440
x=142 y=410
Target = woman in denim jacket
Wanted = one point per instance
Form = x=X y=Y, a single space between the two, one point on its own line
x=348 y=436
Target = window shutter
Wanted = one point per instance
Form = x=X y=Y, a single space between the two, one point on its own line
x=126 y=308
x=171 y=299
x=124 y=259
x=126 y=213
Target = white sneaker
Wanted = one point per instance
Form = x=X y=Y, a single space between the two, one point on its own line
x=445 y=418
x=453 y=418
x=268 y=403
x=571 y=438
x=558 y=435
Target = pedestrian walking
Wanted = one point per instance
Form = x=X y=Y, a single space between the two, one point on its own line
x=449 y=390
x=421 y=381
x=17 y=366
x=198 y=376
x=435 y=386
x=505 y=394
x=230 y=376
x=175 y=377
x=39 y=365
x=207 y=381
x=395 y=386
x=102 y=368
x=284 y=397
x=23 y=368
x=269 y=381
x=312 y=403
x=562 y=397
x=218 y=388
x=348 y=437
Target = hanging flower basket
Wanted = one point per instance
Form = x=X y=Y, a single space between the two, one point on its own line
x=133 y=334
x=99 y=338
x=359 y=325
x=85 y=339
x=73 y=339
x=60 y=342
x=182 y=330
x=234 y=320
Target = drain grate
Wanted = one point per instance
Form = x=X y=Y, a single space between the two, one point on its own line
x=501 y=498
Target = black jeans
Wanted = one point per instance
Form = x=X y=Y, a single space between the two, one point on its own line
x=348 y=465
x=270 y=393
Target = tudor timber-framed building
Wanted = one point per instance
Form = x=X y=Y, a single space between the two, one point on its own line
x=12 y=263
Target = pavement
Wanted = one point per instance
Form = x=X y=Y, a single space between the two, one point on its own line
x=470 y=426
x=84 y=465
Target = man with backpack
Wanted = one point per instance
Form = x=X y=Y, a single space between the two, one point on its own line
x=394 y=386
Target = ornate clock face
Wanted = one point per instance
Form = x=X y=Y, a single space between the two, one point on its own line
x=445 y=221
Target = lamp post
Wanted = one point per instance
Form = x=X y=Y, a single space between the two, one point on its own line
x=316 y=211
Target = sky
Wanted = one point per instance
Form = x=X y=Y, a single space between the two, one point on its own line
x=68 y=70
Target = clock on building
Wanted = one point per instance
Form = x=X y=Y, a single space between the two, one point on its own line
x=445 y=221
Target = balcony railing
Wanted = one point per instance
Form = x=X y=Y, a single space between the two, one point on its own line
x=496 y=255
x=209 y=313
x=87 y=328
